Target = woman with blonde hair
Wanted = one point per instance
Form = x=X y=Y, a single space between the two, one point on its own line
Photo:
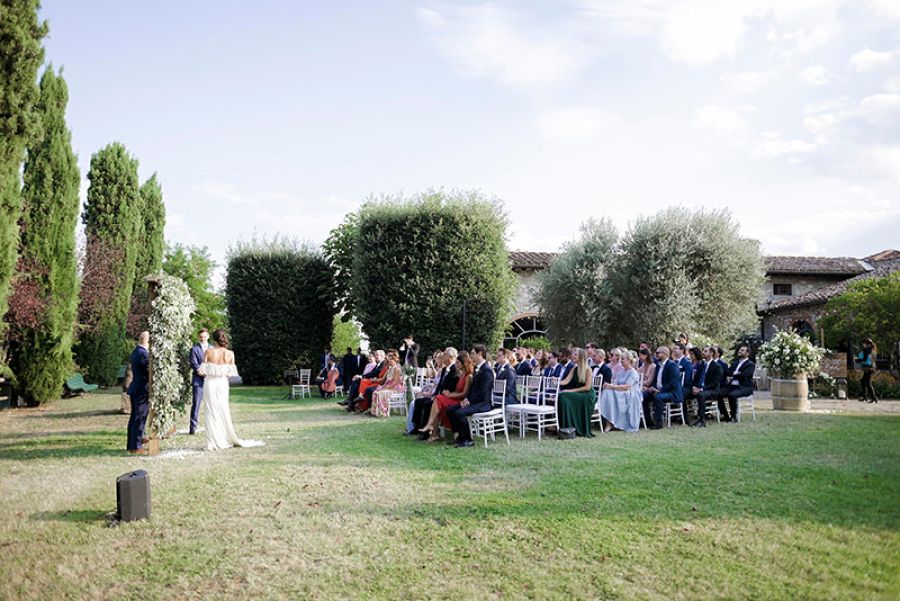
x=576 y=400
x=620 y=401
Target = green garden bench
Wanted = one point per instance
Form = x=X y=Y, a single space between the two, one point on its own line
x=75 y=385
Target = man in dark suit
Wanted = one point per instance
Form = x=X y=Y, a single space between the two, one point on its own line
x=139 y=393
x=554 y=368
x=523 y=367
x=477 y=401
x=601 y=367
x=707 y=385
x=720 y=359
x=198 y=353
x=503 y=371
x=666 y=387
x=349 y=365
x=409 y=353
x=566 y=360
x=737 y=383
x=684 y=367
x=449 y=378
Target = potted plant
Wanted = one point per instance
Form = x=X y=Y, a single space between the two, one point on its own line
x=790 y=358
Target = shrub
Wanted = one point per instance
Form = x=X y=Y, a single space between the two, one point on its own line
x=887 y=386
x=423 y=264
x=537 y=343
x=280 y=299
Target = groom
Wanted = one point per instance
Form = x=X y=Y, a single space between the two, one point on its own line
x=198 y=352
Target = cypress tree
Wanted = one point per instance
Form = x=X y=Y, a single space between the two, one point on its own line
x=111 y=217
x=48 y=242
x=20 y=57
x=152 y=224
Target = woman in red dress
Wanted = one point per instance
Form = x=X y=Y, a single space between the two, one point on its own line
x=448 y=399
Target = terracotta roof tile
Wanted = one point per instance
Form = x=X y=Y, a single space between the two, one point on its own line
x=821 y=295
x=815 y=265
x=530 y=260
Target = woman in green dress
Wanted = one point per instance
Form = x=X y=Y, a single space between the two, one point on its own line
x=576 y=401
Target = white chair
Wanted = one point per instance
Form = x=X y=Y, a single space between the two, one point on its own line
x=675 y=409
x=538 y=416
x=711 y=408
x=398 y=401
x=493 y=421
x=744 y=402
x=302 y=388
x=597 y=385
x=529 y=393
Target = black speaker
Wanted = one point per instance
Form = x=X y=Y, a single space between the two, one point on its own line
x=133 y=496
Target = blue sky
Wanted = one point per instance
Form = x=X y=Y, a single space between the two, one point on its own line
x=280 y=117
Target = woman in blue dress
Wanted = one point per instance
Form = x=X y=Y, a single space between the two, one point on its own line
x=620 y=401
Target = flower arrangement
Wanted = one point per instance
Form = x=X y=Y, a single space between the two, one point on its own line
x=789 y=354
x=170 y=347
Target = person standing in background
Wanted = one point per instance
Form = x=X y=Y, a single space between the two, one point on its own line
x=198 y=351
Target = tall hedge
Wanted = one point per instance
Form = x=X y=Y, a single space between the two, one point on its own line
x=281 y=303
x=112 y=220
x=151 y=226
x=48 y=241
x=21 y=55
x=423 y=264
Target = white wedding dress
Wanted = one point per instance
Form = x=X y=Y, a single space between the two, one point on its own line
x=219 y=429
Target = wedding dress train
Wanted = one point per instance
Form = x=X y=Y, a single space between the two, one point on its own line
x=220 y=432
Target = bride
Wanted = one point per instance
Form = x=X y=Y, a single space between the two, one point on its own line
x=218 y=366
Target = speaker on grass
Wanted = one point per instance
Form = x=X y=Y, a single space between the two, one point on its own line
x=133 y=496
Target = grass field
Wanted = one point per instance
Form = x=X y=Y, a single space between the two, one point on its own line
x=344 y=507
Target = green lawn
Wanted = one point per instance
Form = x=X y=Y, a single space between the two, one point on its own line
x=339 y=506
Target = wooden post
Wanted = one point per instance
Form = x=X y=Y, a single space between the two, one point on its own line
x=152 y=446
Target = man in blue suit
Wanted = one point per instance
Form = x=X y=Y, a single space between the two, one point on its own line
x=566 y=359
x=477 y=401
x=666 y=387
x=685 y=367
x=601 y=367
x=139 y=393
x=554 y=368
x=504 y=371
x=198 y=353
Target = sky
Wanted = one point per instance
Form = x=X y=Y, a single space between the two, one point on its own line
x=270 y=118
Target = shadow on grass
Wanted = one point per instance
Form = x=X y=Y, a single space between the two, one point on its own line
x=103 y=443
x=70 y=515
x=74 y=414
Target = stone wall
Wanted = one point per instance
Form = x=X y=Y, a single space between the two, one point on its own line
x=801 y=284
x=525 y=302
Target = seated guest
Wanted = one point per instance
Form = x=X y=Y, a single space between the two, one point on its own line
x=353 y=390
x=620 y=401
x=523 y=365
x=540 y=363
x=615 y=355
x=393 y=383
x=449 y=398
x=602 y=368
x=647 y=369
x=707 y=386
x=553 y=369
x=720 y=359
x=591 y=349
x=504 y=372
x=666 y=387
x=375 y=378
x=695 y=356
x=447 y=379
x=477 y=398
x=576 y=400
x=684 y=367
x=684 y=341
x=737 y=383
x=327 y=379
x=565 y=357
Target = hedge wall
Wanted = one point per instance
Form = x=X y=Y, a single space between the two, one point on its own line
x=420 y=262
x=281 y=302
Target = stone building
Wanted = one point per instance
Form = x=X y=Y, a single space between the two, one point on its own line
x=793 y=295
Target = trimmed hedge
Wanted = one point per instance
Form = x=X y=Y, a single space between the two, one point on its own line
x=281 y=303
x=419 y=263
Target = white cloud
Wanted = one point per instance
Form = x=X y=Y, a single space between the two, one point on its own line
x=224 y=191
x=885 y=161
x=725 y=120
x=772 y=146
x=700 y=33
x=885 y=8
x=745 y=82
x=574 y=124
x=881 y=109
x=815 y=76
x=493 y=42
x=892 y=84
x=820 y=125
x=869 y=60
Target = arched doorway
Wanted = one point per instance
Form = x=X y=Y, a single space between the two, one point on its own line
x=524 y=325
x=804 y=328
